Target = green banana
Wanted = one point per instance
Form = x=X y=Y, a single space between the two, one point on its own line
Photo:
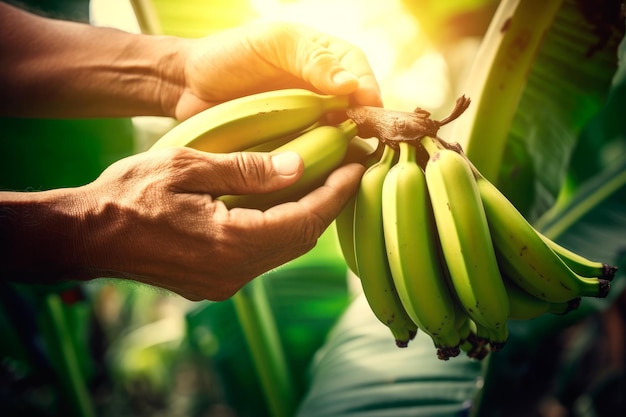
x=244 y=122
x=524 y=306
x=465 y=240
x=413 y=253
x=371 y=256
x=322 y=149
x=362 y=152
x=526 y=258
x=579 y=264
x=271 y=145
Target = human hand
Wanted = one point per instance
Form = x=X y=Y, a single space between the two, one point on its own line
x=153 y=218
x=256 y=58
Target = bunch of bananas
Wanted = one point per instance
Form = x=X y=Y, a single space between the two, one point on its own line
x=436 y=246
x=440 y=249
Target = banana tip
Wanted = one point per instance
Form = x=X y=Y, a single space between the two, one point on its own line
x=479 y=353
x=446 y=353
x=605 y=287
x=608 y=271
x=402 y=343
x=496 y=346
x=573 y=304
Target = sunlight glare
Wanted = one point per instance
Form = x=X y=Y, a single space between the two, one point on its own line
x=348 y=19
x=387 y=33
x=113 y=13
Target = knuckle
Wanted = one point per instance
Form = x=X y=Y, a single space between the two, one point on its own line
x=251 y=171
x=316 y=59
x=311 y=230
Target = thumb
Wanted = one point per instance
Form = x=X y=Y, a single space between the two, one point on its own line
x=256 y=172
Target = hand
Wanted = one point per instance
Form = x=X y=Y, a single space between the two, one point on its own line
x=256 y=58
x=153 y=217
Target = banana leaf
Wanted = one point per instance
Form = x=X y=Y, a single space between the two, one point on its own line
x=360 y=372
x=590 y=220
x=562 y=163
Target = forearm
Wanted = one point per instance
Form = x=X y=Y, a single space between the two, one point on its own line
x=40 y=237
x=53 y=68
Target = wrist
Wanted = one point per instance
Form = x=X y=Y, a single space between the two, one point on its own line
x=41 y=236
x=171 y=72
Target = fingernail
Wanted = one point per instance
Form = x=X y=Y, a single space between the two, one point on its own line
x=344 y=77
x=286 y=164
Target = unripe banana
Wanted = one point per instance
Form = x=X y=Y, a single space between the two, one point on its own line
x=524 y=306
x=273 y=144
x=244 y=122
x=579 y=264
x=322 y=150
x=362 y=152
x=371 y=256
x=465 y=240
x=413 y=253
x=526 y=258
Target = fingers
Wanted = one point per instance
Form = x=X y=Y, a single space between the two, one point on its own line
x=335 y=66
x=328 y=64
x=233 y=173
x=261 y=241
x=299 y=224
x=325 y=203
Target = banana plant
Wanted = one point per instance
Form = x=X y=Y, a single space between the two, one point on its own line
x=546 y=125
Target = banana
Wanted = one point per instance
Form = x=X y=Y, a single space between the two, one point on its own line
x=371 y=256
x=271 y=145
x=413 y=253
x=526 y=258
x=344 y=230
x=465 y=240
x=322 y=149
x=362 y=152
x=579 y=264
x=244 y=122
x=563 y=308
x=524 y=306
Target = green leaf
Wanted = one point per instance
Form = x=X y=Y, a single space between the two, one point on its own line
x=360 y=372
x=589 y=219
x=197 y=18
x=566 y=88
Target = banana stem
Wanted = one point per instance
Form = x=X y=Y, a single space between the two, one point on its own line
x=147 y=16
x=261 y=333
x=498 y=77
x=393 y=126
x=71 y=377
